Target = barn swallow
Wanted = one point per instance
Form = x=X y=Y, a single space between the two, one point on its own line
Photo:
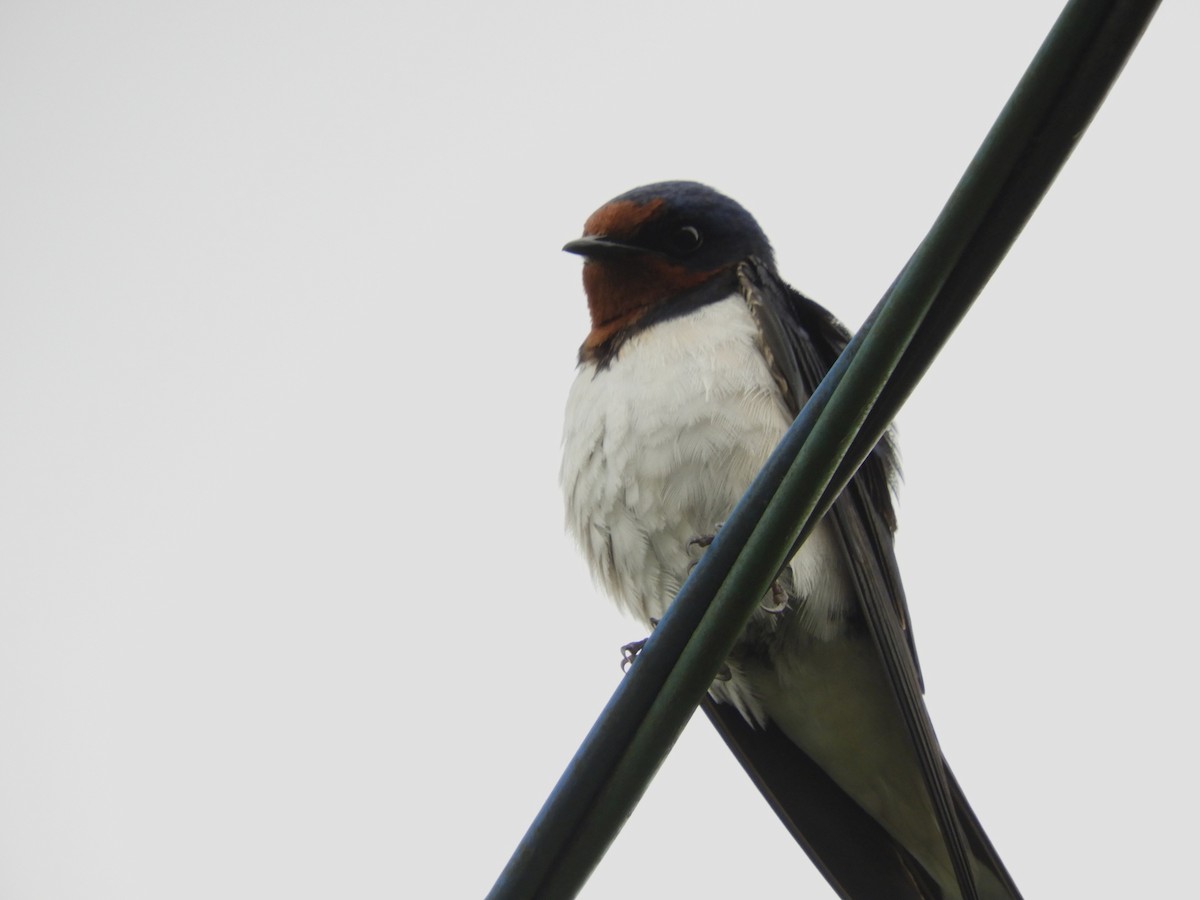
x=699 y=358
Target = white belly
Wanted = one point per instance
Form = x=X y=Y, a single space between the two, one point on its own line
x=660 y=445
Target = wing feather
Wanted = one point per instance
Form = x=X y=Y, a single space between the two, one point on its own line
x=801 y=341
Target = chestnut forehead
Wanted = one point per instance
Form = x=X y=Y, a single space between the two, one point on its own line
x=621 y=217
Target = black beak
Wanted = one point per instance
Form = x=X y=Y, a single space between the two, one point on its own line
x=600 y=247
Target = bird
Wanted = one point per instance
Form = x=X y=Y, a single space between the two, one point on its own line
x=698 y=359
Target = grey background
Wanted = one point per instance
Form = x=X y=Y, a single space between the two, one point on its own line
x=286 y=607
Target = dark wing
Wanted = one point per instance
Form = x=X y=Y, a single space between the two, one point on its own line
x=858 y=858
x=802 y=341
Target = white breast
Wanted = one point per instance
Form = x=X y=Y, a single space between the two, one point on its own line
x=660 y=445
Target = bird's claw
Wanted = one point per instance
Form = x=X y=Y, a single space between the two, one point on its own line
x=630 y=651
x=704 y=540
x=779 y=600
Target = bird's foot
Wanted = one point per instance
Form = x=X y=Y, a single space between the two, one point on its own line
x=630 y=651
x=704 y=540
x=776 y=603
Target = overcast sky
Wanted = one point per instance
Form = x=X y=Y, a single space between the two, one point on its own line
x=286 y=605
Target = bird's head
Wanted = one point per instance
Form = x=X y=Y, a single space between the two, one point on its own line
x=657 y=244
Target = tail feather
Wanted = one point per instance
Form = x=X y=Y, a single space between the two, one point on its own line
x=857 y=856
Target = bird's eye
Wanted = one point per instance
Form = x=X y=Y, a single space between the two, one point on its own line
x=686 y=239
